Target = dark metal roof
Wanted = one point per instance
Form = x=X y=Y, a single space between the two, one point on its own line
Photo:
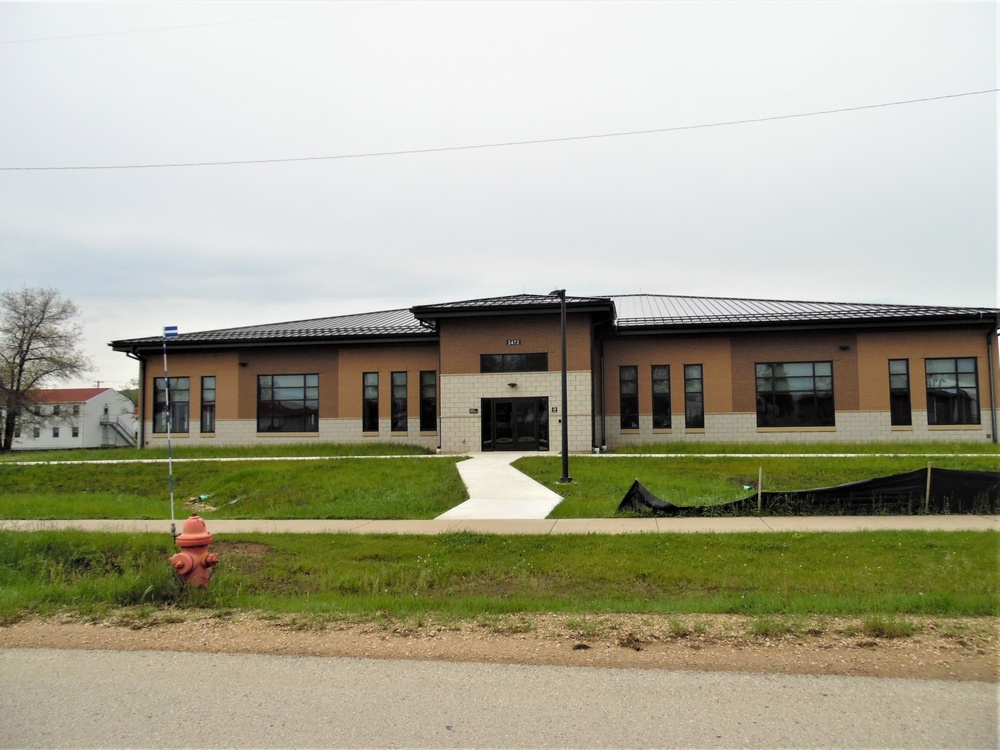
x=384 y=324
x=632 y=313
x=644 y=311
x=517 y=303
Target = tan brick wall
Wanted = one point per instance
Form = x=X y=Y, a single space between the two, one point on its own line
x=357 y=360
x=463 y=340
x=712 y=353
x=839 y=347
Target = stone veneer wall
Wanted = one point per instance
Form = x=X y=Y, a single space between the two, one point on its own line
x=244 y=432
x=851 y=427
x=461 y=431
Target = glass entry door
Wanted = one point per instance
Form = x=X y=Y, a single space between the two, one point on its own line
x=515 y=424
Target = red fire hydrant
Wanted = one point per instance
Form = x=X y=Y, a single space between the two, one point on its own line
x=194 y=563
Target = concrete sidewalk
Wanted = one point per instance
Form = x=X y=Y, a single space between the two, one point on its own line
x=499 y=491
x=541 y=526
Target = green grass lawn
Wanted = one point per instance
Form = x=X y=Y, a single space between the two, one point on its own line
x=600 y=482
x=469 y=575
x=374 y=488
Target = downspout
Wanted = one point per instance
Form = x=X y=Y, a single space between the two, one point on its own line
x=604 y=416
x=990 y=338
x=142 y=396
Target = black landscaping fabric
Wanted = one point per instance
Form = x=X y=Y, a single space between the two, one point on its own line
x=952 y=491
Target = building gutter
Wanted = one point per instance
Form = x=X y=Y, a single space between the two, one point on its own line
x=991 y=337
x=142 y=395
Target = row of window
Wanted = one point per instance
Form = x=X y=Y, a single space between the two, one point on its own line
x=290 y=403
x=694 y=397
x=36 y=432
x=800 y=394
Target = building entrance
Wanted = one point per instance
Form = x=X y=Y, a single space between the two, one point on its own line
x=515 y=424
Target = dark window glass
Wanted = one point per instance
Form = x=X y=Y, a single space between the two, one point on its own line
x=530 y=362
x=76 y=410
x=76 y=432
x=180 y=404
x=398 y=402
x=428 y=401
x=694 y=397
x=899 y=392
x=628 y=390
x=208 y=404
x=795 y=394
x=288 y=403
x=55 y=432
x=369 y=402
x=56 y=409
x=952 y=391
x=661 y=397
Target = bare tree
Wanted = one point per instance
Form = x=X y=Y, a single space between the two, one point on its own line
x=39 y=342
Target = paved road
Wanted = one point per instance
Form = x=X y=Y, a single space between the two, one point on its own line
x=71 y=699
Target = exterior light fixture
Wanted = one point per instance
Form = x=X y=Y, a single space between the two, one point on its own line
x=565 y=478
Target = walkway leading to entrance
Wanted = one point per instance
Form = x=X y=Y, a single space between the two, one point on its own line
x=498 y=490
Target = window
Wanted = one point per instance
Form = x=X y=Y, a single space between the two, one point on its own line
x=288 y=403
x=532 y=362
x=180 y=404
x=661 y=397
x=36 y=432
x=56 y=409
x=628 y=391
x=369 y=404
x=76 y=432
x=899 y=392
x=208 y=403
x=17 y=432
x=795 y=394
x=428 y=401
x=55 y=432
x=694 y=397
x=76 y=410
x=952 y=391
x=398 y=416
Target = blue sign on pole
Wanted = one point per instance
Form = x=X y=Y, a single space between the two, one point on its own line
x=169 y=332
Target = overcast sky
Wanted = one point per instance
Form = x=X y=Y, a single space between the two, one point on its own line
x=885 y=204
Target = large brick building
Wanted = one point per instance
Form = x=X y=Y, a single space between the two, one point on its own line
x=486 y=375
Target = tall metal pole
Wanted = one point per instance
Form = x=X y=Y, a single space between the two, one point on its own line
x=565 y=478
x=168 y=332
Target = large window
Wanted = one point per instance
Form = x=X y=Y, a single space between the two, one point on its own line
x=208 y=404
x=952 y=391
x=369 y=402
x=398 y=402
x=900 y=413
x=531 y=362
x=694 y=397
x=628 y=392
x=428 y=401
x=288 y=403
x=180 y=404
x=795 y=394
x=661 y=397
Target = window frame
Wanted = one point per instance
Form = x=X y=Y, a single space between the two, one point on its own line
x=662 y=419
x=428 y=400
x=823 y=413
x=900 y=394
x=277 y=412
x=207 y=420
x=694 y=397
x=398 y=403
x=514 y=362
x=179 y=415
x=369 y=402
x=936 y=401
x=628 y=401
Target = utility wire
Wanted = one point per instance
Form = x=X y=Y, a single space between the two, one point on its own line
x=503 y=144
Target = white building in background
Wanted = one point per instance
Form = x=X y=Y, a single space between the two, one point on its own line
x=77 y=418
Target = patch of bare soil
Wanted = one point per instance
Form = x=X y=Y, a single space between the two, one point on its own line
x=926 y=648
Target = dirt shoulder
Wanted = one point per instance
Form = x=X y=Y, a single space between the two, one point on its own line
x=924 y=648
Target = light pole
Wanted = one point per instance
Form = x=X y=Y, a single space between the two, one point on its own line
x=565 y=478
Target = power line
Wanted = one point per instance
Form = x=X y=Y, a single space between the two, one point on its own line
x=503 y=144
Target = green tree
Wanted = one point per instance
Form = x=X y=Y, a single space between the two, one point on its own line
x=39 y=340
